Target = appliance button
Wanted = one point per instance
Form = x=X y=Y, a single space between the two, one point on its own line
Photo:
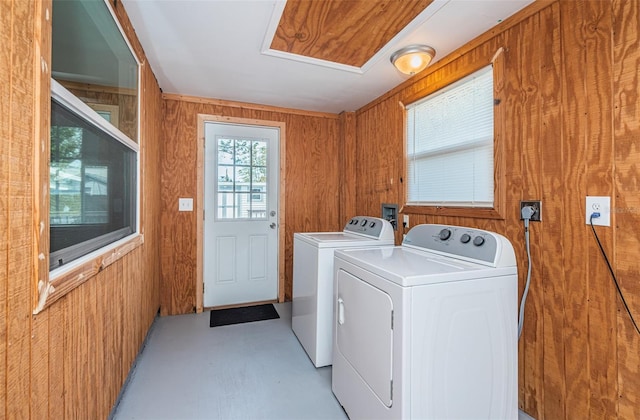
x=478 y=241
x=372 y=224
x=465 y=238
x=445 y=234
x=364 y=223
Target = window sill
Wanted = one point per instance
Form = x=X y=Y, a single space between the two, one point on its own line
x=478 y=213
x=64 y=279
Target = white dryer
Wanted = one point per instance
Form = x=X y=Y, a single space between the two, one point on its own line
x=312 y=306
x=427 y=330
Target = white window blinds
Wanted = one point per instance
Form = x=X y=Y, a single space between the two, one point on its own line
x=450 y=145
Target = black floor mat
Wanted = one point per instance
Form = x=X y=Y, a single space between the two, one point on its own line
x=230 y=316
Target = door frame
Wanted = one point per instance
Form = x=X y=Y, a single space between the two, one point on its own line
x=199 y=202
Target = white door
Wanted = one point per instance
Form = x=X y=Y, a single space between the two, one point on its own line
x=240 y=214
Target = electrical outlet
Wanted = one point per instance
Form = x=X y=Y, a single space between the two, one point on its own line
x=600 y=205
x=405 y=221
x=537 y=209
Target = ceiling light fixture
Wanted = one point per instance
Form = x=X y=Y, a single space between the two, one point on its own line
x=413 y=59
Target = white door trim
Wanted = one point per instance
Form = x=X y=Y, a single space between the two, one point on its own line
x=199 y=201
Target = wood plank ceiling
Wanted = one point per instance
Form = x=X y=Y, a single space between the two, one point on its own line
x=342 y=31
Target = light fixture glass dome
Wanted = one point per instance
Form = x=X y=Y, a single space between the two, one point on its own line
x=413 y=59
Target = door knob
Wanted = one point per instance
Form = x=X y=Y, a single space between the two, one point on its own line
x=273 y=213
x=272 y=225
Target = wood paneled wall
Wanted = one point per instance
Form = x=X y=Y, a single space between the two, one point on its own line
x=313 y=151
x=571 y=128
x=71 y=359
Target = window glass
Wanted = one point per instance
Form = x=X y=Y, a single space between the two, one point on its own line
x=450 y=145
x=92 y=60
x=92 y=181
x=241 y=181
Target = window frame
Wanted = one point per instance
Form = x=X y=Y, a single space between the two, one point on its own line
x=499 y=186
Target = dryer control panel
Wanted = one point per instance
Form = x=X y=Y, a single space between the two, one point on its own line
x=373 y=227
x=466 y=243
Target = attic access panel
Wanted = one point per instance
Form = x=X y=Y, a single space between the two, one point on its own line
x=348 y=32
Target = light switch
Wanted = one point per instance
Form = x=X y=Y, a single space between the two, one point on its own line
x=185 y=204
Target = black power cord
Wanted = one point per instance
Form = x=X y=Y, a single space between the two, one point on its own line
x=613 y=276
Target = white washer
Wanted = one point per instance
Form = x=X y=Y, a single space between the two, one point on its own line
x=312 y=307
x=427 y=330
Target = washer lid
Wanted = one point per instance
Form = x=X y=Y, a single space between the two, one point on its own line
x=339 y=239
x=332 y=236
x=409 y=267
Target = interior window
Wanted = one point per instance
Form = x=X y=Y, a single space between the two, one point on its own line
x=94 y=128
x=450 y=145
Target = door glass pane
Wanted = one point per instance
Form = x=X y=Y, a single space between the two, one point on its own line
x=259 y=153
x=241 y=180
x=225 y=176
x=225 y=151
x=259 y=177
x=225 y=205
x=243 y=152
x=243 y=207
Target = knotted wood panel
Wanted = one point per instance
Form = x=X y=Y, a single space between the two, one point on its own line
x=343 y=31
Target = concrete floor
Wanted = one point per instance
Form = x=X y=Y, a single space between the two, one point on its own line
x=256 y=370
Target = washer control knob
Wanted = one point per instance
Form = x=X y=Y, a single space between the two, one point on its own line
x=478 y=240
x=372 y=224
x=445 y=234
x=465 y=238
x=364 y=223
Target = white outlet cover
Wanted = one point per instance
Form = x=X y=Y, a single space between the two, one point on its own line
x=599 y=204
x=185 y=204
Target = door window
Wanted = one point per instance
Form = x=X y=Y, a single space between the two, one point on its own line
x=241 y=179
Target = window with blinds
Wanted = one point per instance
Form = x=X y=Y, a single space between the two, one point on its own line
x=450 y=145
